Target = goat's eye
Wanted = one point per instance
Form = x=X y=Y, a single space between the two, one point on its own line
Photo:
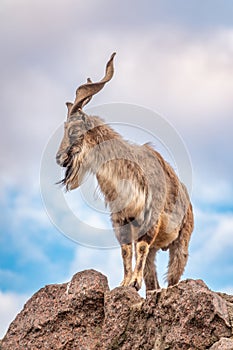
x=73 y=132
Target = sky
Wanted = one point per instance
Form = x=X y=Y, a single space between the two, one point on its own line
x=173 y=58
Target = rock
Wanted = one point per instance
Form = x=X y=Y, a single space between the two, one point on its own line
x=85 y=315
x=66 y=316
x=186 y=316
x=223 y=344
x=120 y=304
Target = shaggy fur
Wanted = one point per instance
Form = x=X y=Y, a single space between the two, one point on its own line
x=150 y=207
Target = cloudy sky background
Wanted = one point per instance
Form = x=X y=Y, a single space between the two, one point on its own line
x=173 y=57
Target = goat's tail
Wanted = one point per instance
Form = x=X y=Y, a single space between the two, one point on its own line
x=178 y=250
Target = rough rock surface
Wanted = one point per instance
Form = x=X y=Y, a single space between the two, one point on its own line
x=65 y=316
x=85 y=315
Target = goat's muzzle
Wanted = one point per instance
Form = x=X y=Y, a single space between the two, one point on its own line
x=62 y=159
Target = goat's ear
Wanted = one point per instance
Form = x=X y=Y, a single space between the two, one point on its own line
x=87 y=121
x=69 y=106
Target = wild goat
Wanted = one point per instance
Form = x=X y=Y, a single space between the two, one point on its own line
x=150 y=207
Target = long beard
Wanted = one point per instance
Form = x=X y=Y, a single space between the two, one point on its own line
x=71 y=179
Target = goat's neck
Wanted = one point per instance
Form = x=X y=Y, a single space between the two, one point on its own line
x=105 y=145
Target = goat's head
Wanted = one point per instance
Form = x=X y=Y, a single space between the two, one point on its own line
x=78 y=124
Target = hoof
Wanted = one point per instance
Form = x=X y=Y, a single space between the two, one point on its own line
x=135 y=285
x=125 y=283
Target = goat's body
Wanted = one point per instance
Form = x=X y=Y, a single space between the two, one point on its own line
x=150 y=207
x=138 y=184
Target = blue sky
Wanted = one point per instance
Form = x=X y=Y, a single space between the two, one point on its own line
x=173 y=57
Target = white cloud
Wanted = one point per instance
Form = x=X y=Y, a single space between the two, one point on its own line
x=23 y=219
x=211 y=243
x=106 y=261
x=227 y=289
x=182 y=74
x=27 y=207
x=10 y=305
x=185 y=77
x=221 y=240
x=210 y=191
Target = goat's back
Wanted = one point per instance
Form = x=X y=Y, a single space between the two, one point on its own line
x=166 y=189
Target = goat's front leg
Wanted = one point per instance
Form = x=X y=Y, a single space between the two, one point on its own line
x=126 y=252
x=142 y=250
x=123 y=233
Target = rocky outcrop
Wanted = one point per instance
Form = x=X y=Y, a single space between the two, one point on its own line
x=85 y=315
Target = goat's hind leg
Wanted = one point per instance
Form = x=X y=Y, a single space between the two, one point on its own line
x=150 y=274
x=178 y=250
